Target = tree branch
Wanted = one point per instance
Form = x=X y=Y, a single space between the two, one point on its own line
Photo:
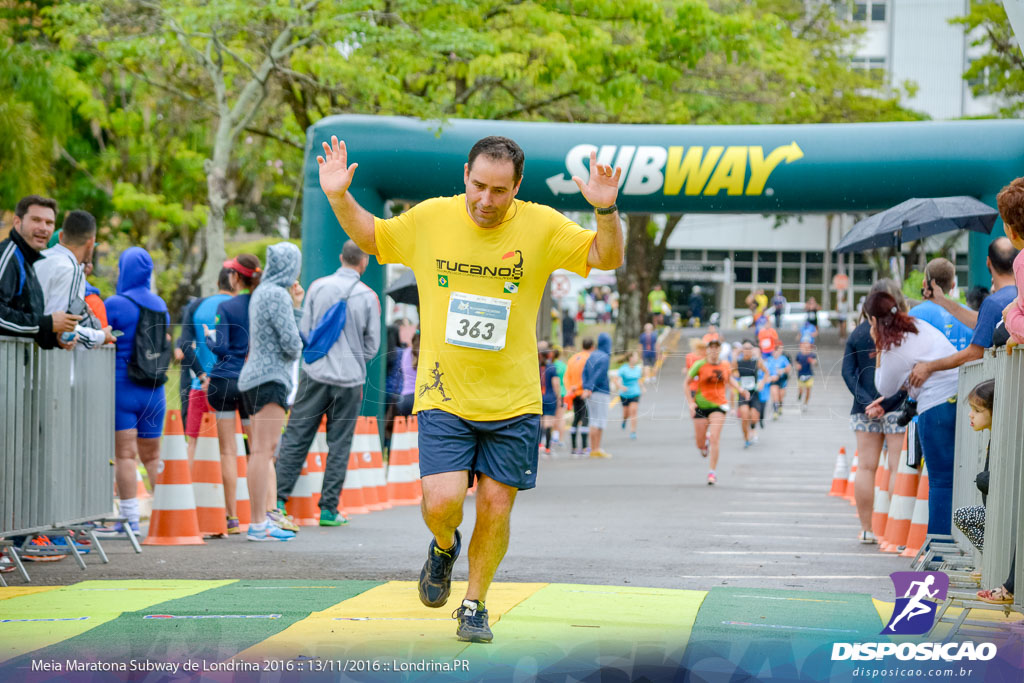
x=274 y=136
x=109 y=191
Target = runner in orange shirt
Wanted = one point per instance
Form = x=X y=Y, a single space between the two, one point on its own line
x=710 y=403
x=574 y=398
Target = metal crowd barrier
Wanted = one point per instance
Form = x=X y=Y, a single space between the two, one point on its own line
x=970 y=446
x=1003 y=513
x=56 y=436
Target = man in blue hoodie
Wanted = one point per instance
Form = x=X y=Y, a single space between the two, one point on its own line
x=139 y=409
x=597 y=393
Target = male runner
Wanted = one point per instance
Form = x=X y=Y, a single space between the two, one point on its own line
x=482 y=260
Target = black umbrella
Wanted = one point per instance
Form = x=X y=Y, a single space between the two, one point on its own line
x=918 y=218
x=404 y=291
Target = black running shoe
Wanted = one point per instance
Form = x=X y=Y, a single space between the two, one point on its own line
x=473 y=626
x=436 y=576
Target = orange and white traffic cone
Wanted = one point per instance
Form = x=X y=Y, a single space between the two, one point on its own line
x=351 y=501
x=242 y=505
x=208 y=480
x=301 y=504
x=375 y=484
x=880 y=510
x=851 y=480
x=840 y=474
x=174 y=520
x=403 y=474
x=919 y=522
x=901 y=506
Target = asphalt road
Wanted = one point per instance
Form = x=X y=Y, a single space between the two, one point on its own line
x=646 y=517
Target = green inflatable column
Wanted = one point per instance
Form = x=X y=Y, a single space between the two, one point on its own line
x=322 y=239
x=978 y=250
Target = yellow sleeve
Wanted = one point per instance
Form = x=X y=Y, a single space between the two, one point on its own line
x=396 y=238
x=570 y=245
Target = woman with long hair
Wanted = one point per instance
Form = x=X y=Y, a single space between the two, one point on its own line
x=881 y=427
x=900 y=342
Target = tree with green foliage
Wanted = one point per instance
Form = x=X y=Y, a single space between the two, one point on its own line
x=1000 y=71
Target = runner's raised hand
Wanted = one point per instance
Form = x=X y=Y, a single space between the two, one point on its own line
x=601 y=188
x=335 y=171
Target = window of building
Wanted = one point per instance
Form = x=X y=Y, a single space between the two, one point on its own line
x=813 y=276
x=869 y=9
x=815 y=257
x=874 y=66
x=743 y=274
x=744 y=257
x=766 y=273
x=791 y=276
x=717 y=255
x=863 y=276
x=791 y=257
x=691 y=255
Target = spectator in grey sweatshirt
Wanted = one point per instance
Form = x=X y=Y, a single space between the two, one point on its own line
x=266 y=381
x=332 y=377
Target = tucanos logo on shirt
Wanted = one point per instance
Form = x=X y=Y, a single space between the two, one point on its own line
x=510 y=269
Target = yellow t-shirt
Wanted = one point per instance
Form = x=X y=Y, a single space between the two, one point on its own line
x=450 y=253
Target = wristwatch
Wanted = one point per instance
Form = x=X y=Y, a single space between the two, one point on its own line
x=606 y=210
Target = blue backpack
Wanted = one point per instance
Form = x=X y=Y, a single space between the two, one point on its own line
x=327 y=331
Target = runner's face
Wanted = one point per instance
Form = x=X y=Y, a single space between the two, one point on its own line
x=713 y=351
x=490 y=189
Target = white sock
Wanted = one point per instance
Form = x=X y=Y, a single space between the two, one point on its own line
x=130 y=509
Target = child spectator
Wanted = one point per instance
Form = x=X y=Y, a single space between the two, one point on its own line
x=971 y=519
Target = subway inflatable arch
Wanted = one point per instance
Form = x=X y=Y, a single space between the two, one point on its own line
x=817 y=168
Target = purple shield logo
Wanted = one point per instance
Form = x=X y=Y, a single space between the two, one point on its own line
x=917 y=596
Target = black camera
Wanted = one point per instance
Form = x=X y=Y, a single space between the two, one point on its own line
x=909 y=410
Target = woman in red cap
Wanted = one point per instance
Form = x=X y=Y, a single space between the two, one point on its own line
x=229 y=342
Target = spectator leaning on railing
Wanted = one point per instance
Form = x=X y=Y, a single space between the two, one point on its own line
x=21 y=296
x=882 y=425
x=900 y=342
x=61 y=275
x=1000 y=264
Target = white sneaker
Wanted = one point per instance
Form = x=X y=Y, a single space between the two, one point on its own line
x=867 y=538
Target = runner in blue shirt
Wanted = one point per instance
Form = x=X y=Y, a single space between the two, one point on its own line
x=629 y=391
x=779 y=366
x=649 y=343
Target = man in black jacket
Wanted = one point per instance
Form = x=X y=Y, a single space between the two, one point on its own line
x=21 y=297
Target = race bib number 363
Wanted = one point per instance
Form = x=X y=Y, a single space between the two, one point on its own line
x=477 y=322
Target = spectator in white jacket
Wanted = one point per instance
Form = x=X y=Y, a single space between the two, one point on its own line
x=61 y=275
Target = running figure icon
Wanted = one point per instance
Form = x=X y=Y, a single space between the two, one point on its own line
x=436 y=375
x=916 y=606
